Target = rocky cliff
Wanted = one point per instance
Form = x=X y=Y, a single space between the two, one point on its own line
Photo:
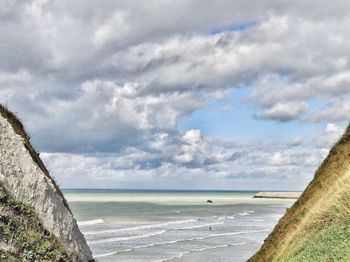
x=317 y=226
x=32 y=198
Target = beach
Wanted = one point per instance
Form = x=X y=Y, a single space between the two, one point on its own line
x=139 y=225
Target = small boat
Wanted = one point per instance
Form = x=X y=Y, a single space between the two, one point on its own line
x=209 y=201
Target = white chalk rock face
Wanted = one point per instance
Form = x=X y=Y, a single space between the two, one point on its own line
x=29 y=182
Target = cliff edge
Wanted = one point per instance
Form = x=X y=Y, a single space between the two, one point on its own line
x=31 y=204
x=317 y=226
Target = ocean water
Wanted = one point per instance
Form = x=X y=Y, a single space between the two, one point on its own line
x=138 y=225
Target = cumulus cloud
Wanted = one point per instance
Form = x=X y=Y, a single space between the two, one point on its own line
x=283 y=112
x=192 y=161
x=104 y=116
x=275 y=91
x=104 y=85
x=297 y=141
x=329 y=137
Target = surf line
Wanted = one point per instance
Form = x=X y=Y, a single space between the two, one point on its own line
x=116 y=239
x=141 y=227
x=181 y=240
x=198 y=250
x=90 y=222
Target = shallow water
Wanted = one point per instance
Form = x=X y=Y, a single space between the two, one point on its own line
x=124 y=225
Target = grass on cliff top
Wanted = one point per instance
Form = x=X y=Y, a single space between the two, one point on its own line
x=319 y=221
x=19 y=129
x=23 y=237
x=327 y=239
x=328 y=244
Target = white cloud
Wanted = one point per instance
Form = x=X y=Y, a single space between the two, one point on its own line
x=284 y=112
x=197 y=160
x=297 y=141
x=191 y=149
x=104 y=85
x=329 y=137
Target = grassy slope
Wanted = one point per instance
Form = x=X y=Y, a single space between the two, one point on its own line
x=317 y=226
x=23 y=237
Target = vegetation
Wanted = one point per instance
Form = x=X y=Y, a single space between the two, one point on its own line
x=329 y=236
x=317 y=226
x=23 y=237
x=328 y=244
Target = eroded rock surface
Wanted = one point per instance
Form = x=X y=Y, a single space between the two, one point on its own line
x=22 y=177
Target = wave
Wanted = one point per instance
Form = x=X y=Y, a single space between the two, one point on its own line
x=246 y=213
x=182 y=240
x=149 y=226
x=90 y=222
x=108 y=254
x=198 y=250
x=225 y=217
x=159 y=225
x=202 y=225
x=167 y=259
x=231 y=234
x=116 y=239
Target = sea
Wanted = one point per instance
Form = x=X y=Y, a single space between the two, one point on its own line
x=174 y=225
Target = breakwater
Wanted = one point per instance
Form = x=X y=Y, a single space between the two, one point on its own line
x=283 y=195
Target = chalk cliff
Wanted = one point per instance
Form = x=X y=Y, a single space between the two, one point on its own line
x=25 y=181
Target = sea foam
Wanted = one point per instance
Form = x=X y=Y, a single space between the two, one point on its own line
x=90 y=222
x=185 y=240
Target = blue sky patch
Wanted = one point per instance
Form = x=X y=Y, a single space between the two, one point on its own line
x=233 y=27
x=239 y=124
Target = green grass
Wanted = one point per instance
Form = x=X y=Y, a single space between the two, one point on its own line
x=325 y=245
x=23 y=236
x=327 y=238
x=317 y=226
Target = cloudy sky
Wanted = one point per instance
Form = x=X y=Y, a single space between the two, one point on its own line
x=192 y=94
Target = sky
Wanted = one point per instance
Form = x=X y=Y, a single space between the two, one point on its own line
x=192 y=94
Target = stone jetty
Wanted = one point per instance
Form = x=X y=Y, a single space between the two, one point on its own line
x=282 y=195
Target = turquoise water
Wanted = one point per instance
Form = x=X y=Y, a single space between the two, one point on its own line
x=139 y=225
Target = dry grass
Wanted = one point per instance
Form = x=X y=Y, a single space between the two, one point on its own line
x=19 y=129
x=315 y=211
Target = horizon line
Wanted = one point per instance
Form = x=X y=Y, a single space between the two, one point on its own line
x=153 y=189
